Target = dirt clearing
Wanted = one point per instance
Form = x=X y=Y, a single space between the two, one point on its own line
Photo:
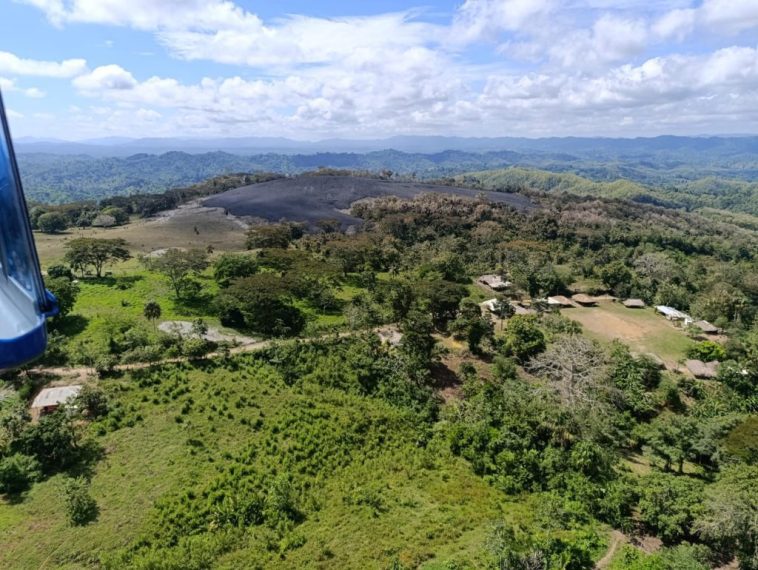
x=641 y=329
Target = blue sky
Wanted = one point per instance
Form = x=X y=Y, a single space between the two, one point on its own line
x=79 y=69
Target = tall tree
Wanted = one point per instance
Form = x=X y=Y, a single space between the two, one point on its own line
x=82 y=253
x=66 y=292
x=575 y=367
x=179 y=267
x=152 y=312
x=52 y=222
x=730 y=518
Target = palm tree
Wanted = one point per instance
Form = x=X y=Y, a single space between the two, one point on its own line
x=152 y=312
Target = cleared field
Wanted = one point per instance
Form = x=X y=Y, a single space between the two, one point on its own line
x=423 y=505
x=313 y=198
x=641 y=329
x=188 y=226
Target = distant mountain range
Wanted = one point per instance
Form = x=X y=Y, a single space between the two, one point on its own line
x=584 y=147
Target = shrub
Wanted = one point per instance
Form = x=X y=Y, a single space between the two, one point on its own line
x=93 y=401
x=195 y=347
x=81 y=507
x=707 y=351
x=52 y=222
x=669 y=505
x=57 y=271
x=18 y=472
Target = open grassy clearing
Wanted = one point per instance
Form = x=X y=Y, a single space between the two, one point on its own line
x=383 y=498
x=641 y=329
x=173 y=229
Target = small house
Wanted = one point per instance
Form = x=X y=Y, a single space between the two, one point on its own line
x=673 y=314
x=706 y=327
x=494 y=282
x=700 y=369
x=490 y=305
x=584 y=300
x=634 y=304
x=559 y=301
x=50 y=399
x=521 y=310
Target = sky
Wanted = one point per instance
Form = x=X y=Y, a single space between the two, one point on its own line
x=315 y=69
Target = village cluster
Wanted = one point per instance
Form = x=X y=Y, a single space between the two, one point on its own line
x=680 y=319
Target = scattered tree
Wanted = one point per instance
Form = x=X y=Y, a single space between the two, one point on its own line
x=179 y=267
x=81 y=507
x=152 y=312
x=523 y=338
x=576 y=369
x=52 y=222
x=82 y=253
x=66 y=292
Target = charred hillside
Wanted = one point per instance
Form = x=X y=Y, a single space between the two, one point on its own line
x=312 y=198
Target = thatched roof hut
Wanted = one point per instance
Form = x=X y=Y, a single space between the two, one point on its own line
x=521 y=310
x=706 y=327
x=700 y=369
x=583 y=299
x=634 y=304
x=559 y=301
x=494 y=282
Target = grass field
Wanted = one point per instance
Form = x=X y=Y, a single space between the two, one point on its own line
x=642 y=329
x=175 y=229
x=381 y=497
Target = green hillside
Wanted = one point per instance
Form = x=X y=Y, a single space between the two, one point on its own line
x=321 y=476
x=711 y=192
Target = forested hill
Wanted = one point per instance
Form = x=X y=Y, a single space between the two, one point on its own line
x=710 y=192
x=65 y=178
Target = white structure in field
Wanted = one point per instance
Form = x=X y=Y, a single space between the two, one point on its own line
x=50 y=399
x=673 y=314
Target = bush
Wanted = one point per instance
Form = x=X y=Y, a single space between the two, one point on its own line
x=523 y=338
x=93 y=401
x=669 y=504
x=707 y=351
x=57 y=271
x=195 y=347
x=81 y=507
x=52 y=222
x=18 y=472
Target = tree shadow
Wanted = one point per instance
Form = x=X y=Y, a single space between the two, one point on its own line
x=88 y=455
x=70 y=325
x=443 y=377
x=195 y=307
x=17 y=497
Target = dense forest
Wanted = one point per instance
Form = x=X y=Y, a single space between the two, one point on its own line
x=705 y=179
x=471 y=440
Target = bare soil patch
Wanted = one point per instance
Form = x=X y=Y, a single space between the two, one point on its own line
x=641 y=329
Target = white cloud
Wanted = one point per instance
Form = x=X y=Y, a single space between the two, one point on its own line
x=712 y=17
x=485 y=19
x=417 y=92
x=147 y=115
x=10 y=86
x=299 y=40
x=14 y=65
x=549 y=67
x=677 y=24
x=14 y=114
x=147 y=14
x=106 y=77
